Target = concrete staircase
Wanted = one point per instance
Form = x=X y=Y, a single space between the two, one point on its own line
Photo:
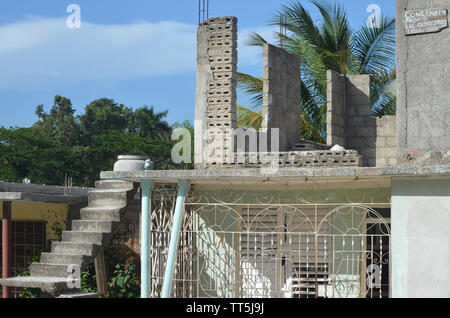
x=98 y=222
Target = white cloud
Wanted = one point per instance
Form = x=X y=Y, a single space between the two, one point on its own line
x=43 y=53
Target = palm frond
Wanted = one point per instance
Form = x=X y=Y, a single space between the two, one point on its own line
x=335 y=28
x=383 y=92
x=254 y=39
x=387 y=108
x=329 y=43
x=298 y=21
x=247 y=118
x=374 y=48
x=252 y=86
x=309 y=131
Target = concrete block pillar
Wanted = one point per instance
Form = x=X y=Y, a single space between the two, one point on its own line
x=216 y=89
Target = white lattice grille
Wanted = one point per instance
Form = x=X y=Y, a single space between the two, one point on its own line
x=232 y=249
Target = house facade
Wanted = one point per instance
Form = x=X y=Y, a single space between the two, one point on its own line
x=266 y=214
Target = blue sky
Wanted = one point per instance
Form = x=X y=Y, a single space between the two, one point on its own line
x=138 y=52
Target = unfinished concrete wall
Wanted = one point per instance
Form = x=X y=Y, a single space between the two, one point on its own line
x=335 y=108
x=350 y=124
x=360 y=127
x=386 y=141
x=216 y=85
x=423 y=82
x=282 y=95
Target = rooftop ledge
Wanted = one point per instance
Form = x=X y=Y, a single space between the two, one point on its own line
x=285 y=174
x=42 y=193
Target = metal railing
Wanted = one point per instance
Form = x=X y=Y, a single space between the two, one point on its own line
x=235 y=249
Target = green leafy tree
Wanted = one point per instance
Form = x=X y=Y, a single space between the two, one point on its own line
x=25 y=154
x=61 y=144
x=103 y=115
x=60 y=123
x=327 y=44
x=147 y=123
x=105 y=148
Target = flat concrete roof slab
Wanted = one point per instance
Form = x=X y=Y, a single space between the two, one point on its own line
x=41 y=193
x=284 y=174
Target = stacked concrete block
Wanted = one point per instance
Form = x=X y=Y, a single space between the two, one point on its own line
x=222 y=56
x=281 y=95
x=216 y=89
x=217 y=142
x=360 y=127
x=386 y=141
x=335 y=109
x=350 y=124
x=292 y=159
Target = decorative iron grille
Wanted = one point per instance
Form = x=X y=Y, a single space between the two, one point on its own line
x=254 y=244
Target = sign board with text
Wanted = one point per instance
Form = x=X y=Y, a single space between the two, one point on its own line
x=425 y=21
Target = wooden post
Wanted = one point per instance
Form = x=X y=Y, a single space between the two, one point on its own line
x=100 y=273
x=6 y=242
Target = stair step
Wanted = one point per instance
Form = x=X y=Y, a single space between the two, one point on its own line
x=82 y=237
x=73 y=248
x=68 y=259
x=50 y=285
x=92 y=226
x=107 y=197
x=101 y=213
x=114 y=184
x=50 y=270
x=78 y=247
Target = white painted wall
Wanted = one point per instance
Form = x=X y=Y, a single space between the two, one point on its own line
x=420 y=240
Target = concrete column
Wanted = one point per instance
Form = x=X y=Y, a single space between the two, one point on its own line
x=6 y=248
x=146 y=186
x=183 y=187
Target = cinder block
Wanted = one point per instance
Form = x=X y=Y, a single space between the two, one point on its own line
x=386 y=152
x=380 y=142
x=354 y=122
x=381 y=162
x=391 y=141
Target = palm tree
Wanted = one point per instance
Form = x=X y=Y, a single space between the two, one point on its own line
x=150 y=124
x=328 y=45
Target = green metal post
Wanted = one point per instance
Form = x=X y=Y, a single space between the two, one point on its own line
x=146 y=186
x=183 y=187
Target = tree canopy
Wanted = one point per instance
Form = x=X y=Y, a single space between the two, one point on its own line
x=61 y=143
